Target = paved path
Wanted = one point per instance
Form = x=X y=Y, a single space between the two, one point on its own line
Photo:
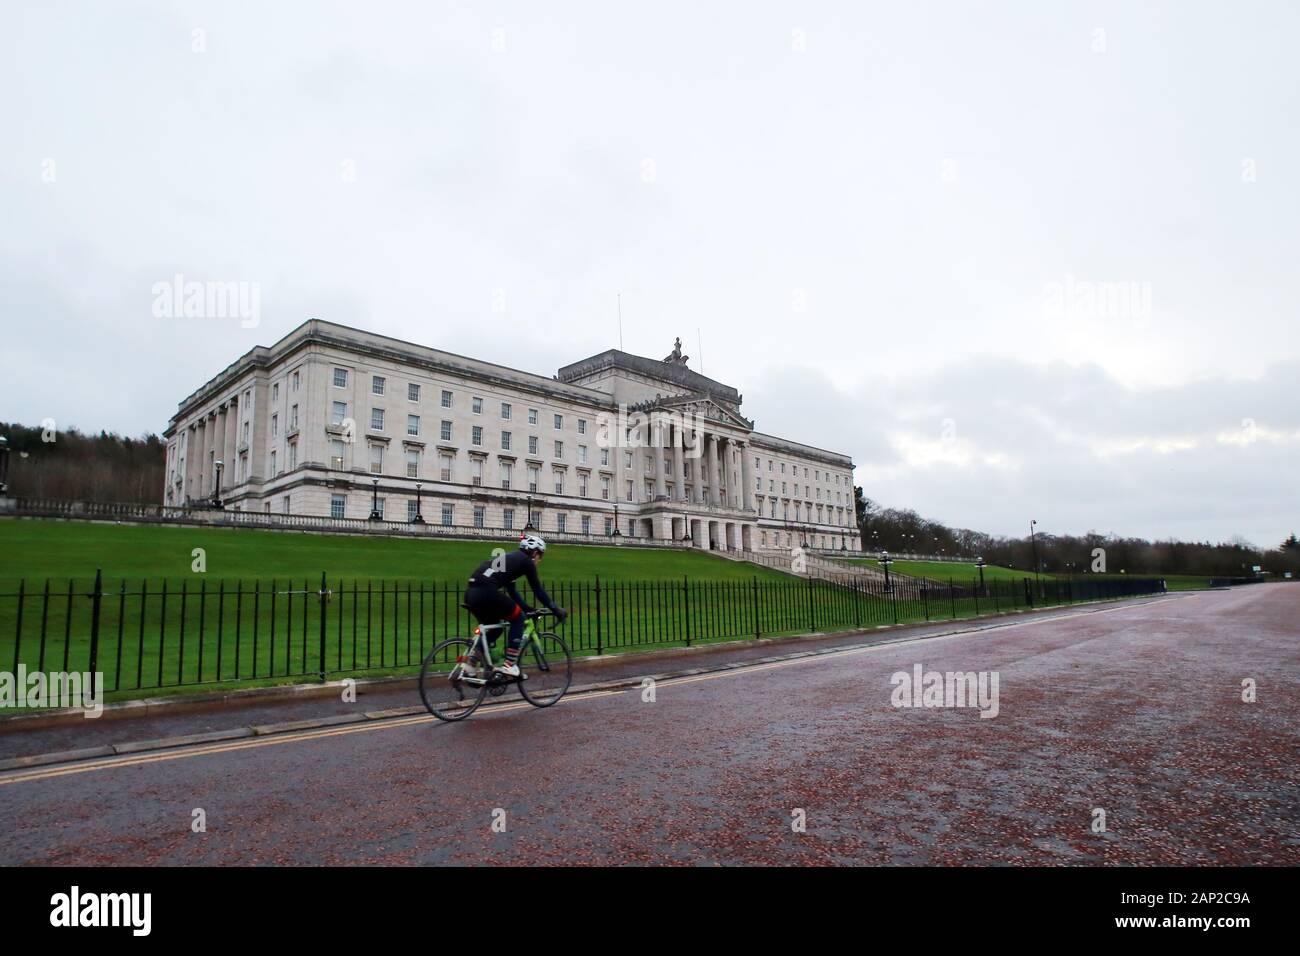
x=1135 y=709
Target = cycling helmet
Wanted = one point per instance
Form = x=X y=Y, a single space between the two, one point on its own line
x=531 y=542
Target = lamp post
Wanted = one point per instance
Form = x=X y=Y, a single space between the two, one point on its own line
x=4 y=466
x=216 y=489
x=979 y=563
x=885 y=562
x=617 y=532
x=419 y=518
x=1033 y=541
x=528 y=523
x=374 y=501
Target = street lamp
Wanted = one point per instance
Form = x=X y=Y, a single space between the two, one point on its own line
x=979 y=563
x=4 y=466
x=216 y=489
x=528 y=524
x=374 y=502
x=419 y=518
x=1033 y=541
x=885 y=562
x=617 y=533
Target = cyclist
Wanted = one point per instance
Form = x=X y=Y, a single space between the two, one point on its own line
x=491 y=597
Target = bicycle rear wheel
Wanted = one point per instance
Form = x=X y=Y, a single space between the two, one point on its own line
x=442 y=688
x=548 y=669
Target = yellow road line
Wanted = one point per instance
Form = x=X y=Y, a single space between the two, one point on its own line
x=201 y=750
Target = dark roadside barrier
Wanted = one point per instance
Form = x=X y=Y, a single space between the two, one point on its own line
x=145 y=635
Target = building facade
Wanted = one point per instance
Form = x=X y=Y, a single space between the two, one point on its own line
x=335 y=421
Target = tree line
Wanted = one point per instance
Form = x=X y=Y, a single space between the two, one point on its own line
x=53 y=463
x=902 y=530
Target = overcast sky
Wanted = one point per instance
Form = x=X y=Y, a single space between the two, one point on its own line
x=1020 y=260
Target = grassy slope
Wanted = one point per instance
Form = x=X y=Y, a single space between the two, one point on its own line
x=60 y=550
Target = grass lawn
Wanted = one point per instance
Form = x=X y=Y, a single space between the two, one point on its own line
x=960 y=573
x=62 y=550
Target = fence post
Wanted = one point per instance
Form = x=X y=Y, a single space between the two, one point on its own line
x=94 y=630
x=1029 y=594
x=894 y=602
x=599 y=646
x=324 y=603
x=753 y=599
x=952 y=597
x=812 y=613
x=975 y=591
x=686 y=606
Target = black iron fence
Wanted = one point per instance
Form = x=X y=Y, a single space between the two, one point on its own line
x=147 y=636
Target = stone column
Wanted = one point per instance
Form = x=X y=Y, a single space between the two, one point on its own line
x=232 y=443
x=746 y=479
x=713 y=469
x=191 y=459
x=219 y=443
x=659 y=464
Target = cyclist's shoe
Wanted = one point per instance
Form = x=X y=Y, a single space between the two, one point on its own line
x=471 y=670
x=508 y=669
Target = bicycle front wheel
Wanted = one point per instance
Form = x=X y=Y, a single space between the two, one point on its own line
x=443 y=687
x=548 y=669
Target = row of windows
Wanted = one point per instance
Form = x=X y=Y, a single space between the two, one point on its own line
x=446 y=514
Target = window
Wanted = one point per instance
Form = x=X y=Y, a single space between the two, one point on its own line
x=604 y=457
x=412 y=463
x=604 y=487
x=627 y=459
x=376 y=459
x=445 y=433
x=284 y=504
x=338 y=412
x=508 y=518
x=273 y=470
x=444 y=467
x=582 y=454
x=586 y=524
x=446 y=399
x=505 y=441
x=293 y=455
x=532 y=416
x=559 y=449
x=505 y=411
x=338 y=506
x=340 y=378
x=275 y=425
x=478 y=406
x=476 y=435
x=505 y=470
x=412 y=424
x=447 y=515
x=559 y=421
x=480 y=515
x=582 y=484
x=336 y=454
x=412 y=509
x=559 y=482
x=412 y=392
x=476 y=471
x=534 y=477
x=532 y=444
x=275 y=392
x=609 y=526
x=245 y=433
x=297 y=381
x=376 y=419
x=582 y=426
x=377 y=385
x=293 y=417
x=379 y=507
x=561 y=523
x=628 y=496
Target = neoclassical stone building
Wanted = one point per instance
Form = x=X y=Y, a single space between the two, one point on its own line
x=335 y=421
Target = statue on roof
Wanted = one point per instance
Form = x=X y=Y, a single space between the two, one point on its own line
x=675 y=357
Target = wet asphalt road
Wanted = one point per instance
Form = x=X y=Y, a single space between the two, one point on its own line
x=1135 y=710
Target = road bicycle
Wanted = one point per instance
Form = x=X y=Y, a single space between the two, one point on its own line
x=453 y=688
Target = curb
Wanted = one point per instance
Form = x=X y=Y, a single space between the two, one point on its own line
x=623 y=683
